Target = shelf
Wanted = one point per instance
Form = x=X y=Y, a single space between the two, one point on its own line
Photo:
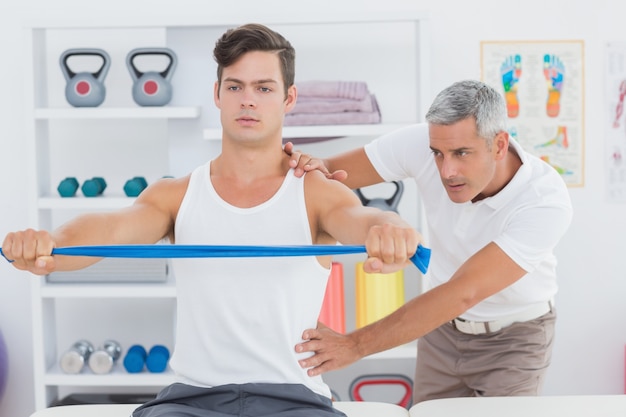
x=113 y=290
x=322 y=131
x=408 y=351
x=117 y=377
x=81 y=202
x=119 y=113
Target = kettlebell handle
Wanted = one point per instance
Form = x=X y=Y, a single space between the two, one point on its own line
x=99 y=74
x=392 y=201
x=364 y=200
x=166 y=73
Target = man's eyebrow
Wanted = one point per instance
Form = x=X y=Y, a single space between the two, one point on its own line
x=262 y=81
x=266 y=81
x=461 y=149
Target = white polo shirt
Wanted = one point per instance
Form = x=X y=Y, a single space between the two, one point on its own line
x=526 y=219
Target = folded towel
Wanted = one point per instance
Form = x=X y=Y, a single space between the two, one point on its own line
x=308 y=104
x=341 y=118
x=344 y=118
x=355 y=90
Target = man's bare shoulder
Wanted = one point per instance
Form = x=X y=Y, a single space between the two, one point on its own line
x=324 y=189
x=170 y=185
x=317 y=179
x=165 y=192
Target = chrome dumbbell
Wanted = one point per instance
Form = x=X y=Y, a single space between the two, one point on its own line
x=73 y=360
x=102 y=360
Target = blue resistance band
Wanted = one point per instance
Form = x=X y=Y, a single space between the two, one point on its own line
x=421 y=259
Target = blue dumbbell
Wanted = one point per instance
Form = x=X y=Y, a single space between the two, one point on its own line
x=157 y=358
x=94 y=187
x=135 y=359
x=135 y=186
x=67 y=187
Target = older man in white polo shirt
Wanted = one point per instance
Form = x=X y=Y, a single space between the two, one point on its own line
x=495 y=214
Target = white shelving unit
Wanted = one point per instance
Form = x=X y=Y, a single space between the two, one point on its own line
x=119 y=113
x=120 y=140
x=322 y=131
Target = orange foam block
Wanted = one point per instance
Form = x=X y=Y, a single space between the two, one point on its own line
x=333 y=313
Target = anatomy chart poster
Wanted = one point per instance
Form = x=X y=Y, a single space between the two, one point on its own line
x=543 y=85
x=615 y=123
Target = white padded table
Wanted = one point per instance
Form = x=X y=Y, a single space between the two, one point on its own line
x=351 y=408
x=548 y=406
x=542 y=406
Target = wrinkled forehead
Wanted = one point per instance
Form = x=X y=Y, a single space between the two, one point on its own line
x=459 y=134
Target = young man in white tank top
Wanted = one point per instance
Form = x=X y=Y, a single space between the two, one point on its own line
x=238 y=321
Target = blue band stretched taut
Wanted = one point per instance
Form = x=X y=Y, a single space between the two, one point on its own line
x=421 y=259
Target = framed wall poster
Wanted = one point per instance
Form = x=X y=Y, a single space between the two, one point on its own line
x=615 y=122
x=543 y=85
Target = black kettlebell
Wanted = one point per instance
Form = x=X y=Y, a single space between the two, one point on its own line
x=85 y=89
x=389 y=204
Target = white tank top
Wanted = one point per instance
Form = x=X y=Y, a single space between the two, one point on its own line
x=239 y=319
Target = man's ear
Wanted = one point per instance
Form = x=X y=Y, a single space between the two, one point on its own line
x=216 y=94
x=501 y=144
x=292 y=97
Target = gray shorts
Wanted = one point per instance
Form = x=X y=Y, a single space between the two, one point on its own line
x=509 y=362
x=245 y=400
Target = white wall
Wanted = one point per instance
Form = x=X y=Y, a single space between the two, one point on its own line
x=589 y=352
x=591 y=332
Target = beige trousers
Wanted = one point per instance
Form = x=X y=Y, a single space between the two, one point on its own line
x=510 y=362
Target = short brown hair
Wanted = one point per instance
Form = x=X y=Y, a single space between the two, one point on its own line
x=254 y=37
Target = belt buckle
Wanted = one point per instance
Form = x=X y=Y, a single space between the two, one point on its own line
x=488 y=327
x=478 y=327
x=471 y=327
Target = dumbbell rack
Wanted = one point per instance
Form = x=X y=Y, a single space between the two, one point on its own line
x=119 y=140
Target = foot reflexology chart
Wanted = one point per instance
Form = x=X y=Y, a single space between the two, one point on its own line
x=543 y=85
x=615 y=123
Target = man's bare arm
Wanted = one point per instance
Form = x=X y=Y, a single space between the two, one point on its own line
x=148 y=220
x=338 y=215
x=484 y=274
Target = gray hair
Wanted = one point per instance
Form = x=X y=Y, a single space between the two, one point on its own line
x=470 y=98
